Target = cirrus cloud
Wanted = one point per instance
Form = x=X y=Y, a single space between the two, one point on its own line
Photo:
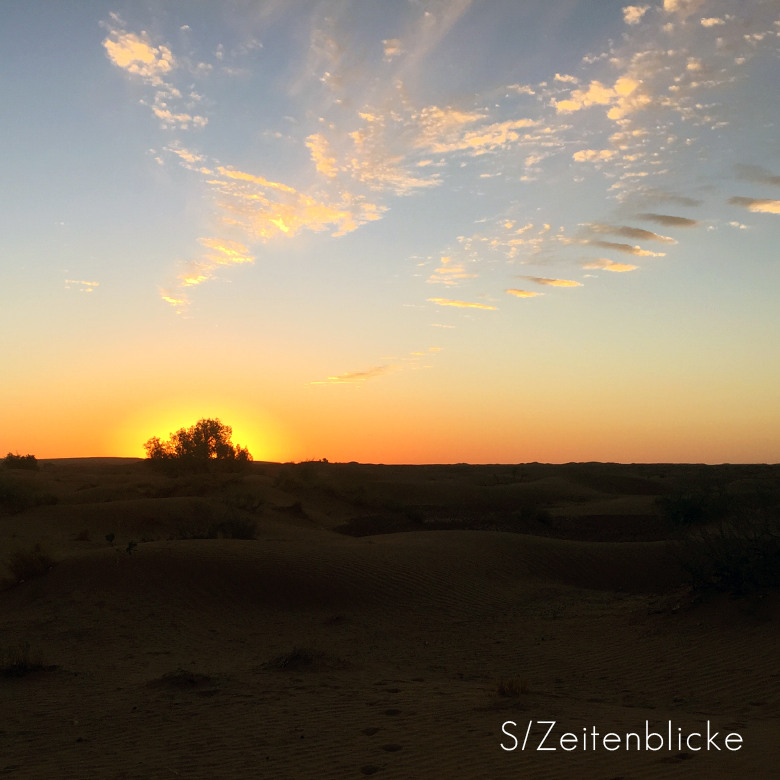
x=461 y=304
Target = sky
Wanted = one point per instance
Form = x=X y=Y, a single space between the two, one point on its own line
x=392 y=231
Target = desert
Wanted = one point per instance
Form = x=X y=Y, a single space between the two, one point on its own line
x=374 y=619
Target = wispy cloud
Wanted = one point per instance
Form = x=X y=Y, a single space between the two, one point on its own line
x=757 y=205
x=461 y=304
x=552 y=282
x=522 y=293
x=449 y=273
x=757 y=174
x=668 y=220
x=627 y=249
x=266 y=209
x=628 y=232
x=604 y=264
x=81 y=286
x=356 y=377
x=152 y=65
x=221 y=252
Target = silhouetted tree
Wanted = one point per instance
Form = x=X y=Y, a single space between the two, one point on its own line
x=198 y=448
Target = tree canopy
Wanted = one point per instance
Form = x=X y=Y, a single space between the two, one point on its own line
x=198 y=448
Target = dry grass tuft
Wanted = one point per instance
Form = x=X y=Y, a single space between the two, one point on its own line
x=302 y=658
x=26 y=564
x=180 y=678
x=512 y=686
x=83 y=536
x=19 y=661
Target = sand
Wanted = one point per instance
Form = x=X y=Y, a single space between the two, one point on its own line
x=310 y=653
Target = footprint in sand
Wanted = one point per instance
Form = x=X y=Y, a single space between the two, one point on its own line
x=392 y=748
x=370 y=769
x=369 y=732
x=392 y=712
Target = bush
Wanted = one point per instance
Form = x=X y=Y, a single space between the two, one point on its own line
x=26 y=564
x=696 y=506
x=208 y=522
x=203 y=447
x=19 y=661
x=512 y=686
x=18 y=461
x=739 y=553
x=15 y=497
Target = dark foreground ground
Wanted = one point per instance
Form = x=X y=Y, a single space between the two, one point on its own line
x=344 y=620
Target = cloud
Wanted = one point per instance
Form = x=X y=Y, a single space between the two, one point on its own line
x=629 y=232
x=490 y=136
x=593 y=155
x=392 y=48
x=80 y=285
x=136 y=55
x=226 y=252
x=461 y=304
x=222 y=252
x=185 y=155
x=552 y=282
x=712 y=21
x=522 y=293
x=320 y=153
x=608 y=265
x=758 y=205
x=356 y=377
x=595 y=95
x=668 y=220
x=449 y=272
x=267 y=209
x=566 y=78
x=179 y=301
x=626 y=249
x=660 y=196
x=683 y=8
x=632 y=14
x=625 y=97
x=757 y=174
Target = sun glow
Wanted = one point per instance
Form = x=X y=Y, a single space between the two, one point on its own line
x=260 y=434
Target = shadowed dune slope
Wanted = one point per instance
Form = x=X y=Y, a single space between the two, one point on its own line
x=318 y=570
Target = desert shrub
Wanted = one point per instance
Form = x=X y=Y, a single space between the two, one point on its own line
x=18 y=661
x=288 y=480
x=695 y=507
x=16 y=497
x=303 y=658
x=180 y=678
x=18 y=461
x=511 y=686
x=739 y=553
x=210 y=522
x=245 y=502
x=26 y=564
x=203 y=447
x=532 y=514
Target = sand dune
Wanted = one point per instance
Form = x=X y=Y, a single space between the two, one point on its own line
x=307 y=653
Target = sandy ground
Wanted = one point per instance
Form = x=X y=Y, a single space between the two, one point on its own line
x=178 y=660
